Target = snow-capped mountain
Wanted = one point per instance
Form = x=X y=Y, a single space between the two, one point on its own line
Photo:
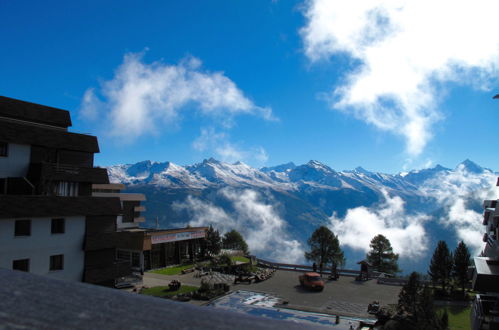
x=289 y=177
x=292 y=200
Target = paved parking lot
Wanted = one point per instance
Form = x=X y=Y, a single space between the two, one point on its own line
x=344 y=296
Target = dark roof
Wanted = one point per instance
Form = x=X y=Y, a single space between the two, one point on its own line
x=29 y=301
x=37 y=113
x=173 y=230
x=24 y=134
x=15 y=206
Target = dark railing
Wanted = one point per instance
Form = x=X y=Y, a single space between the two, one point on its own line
x=325 y=270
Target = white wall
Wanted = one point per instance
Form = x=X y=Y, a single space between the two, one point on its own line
x=17 y=161
x=42 y=244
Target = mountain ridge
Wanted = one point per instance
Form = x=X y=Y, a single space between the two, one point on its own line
x=298 y=198
x=211 y=172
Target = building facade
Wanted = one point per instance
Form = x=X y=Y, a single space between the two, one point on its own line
x=142 y=248
x=485 y=309
x=50 y=223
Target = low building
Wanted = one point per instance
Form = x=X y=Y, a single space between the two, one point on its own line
x=163 y=247
x=49 y=222
x=485 y=309
x=144 y=248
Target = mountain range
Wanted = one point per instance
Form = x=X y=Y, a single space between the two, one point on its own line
x=292 y=200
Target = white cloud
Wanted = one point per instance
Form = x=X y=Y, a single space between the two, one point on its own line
x=90 y=105
x=405 y=50
x=143 y=96
x=219 y=143
x=455 y=191
x=257 y=220
x=405 y=232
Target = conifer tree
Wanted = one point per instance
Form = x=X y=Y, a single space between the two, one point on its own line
x=441 y=265
x=381 y=255
x=408 y=296
x=461 y=264
x=213 y=242
x=325 y=247
x=415 y=308
x=234 y=240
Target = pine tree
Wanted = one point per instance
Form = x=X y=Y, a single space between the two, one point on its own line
x=441 y=265
x=213 y=242
x=381 y=255
x=325 y=248
x=461 y=264
x=234 y=240
x=415 y=308
x=408 y=296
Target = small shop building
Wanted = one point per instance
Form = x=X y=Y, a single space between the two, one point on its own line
x=159 y=248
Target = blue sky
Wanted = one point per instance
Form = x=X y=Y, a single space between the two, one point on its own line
x=264 y=82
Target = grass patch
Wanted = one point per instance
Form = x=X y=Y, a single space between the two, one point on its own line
x=459 y=317
x=176 y=270
x=240 y=259
x=161 y=291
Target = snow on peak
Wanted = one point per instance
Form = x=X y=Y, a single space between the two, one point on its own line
x=212 y=173
x=470 y=166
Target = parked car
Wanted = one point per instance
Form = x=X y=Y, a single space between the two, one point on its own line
x=312 y=281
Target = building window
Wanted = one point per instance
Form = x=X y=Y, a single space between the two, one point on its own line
x=23 y=228
x=58 y=226
x=67 y=189
x=21 y=264
x=57 y=262
x=4 y=149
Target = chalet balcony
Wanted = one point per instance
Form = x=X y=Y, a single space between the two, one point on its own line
x=129 y=240
x=16 y=186
x=489 y=204
x=46 y=172
x=486 y=275
x=485 y=312
x=139 y=219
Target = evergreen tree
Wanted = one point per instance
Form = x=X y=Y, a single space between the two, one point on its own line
x=325 y=248
x=441 y=265
x=381 y=255
x=415 y=309
x=213 y=242
x=461 y=264
x=234 y=240
x=408 y=296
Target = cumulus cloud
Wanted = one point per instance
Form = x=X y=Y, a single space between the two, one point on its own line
x=219 y=143
x=405 y=232
x=142 y=96
x=256 y=219
x=456 y=191
x=405 y=50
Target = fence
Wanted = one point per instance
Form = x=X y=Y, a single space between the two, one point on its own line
x=326 y=270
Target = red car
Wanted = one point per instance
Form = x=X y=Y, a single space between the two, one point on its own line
x=312 y=281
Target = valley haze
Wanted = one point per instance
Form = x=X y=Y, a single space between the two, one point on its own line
x=277 y=208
